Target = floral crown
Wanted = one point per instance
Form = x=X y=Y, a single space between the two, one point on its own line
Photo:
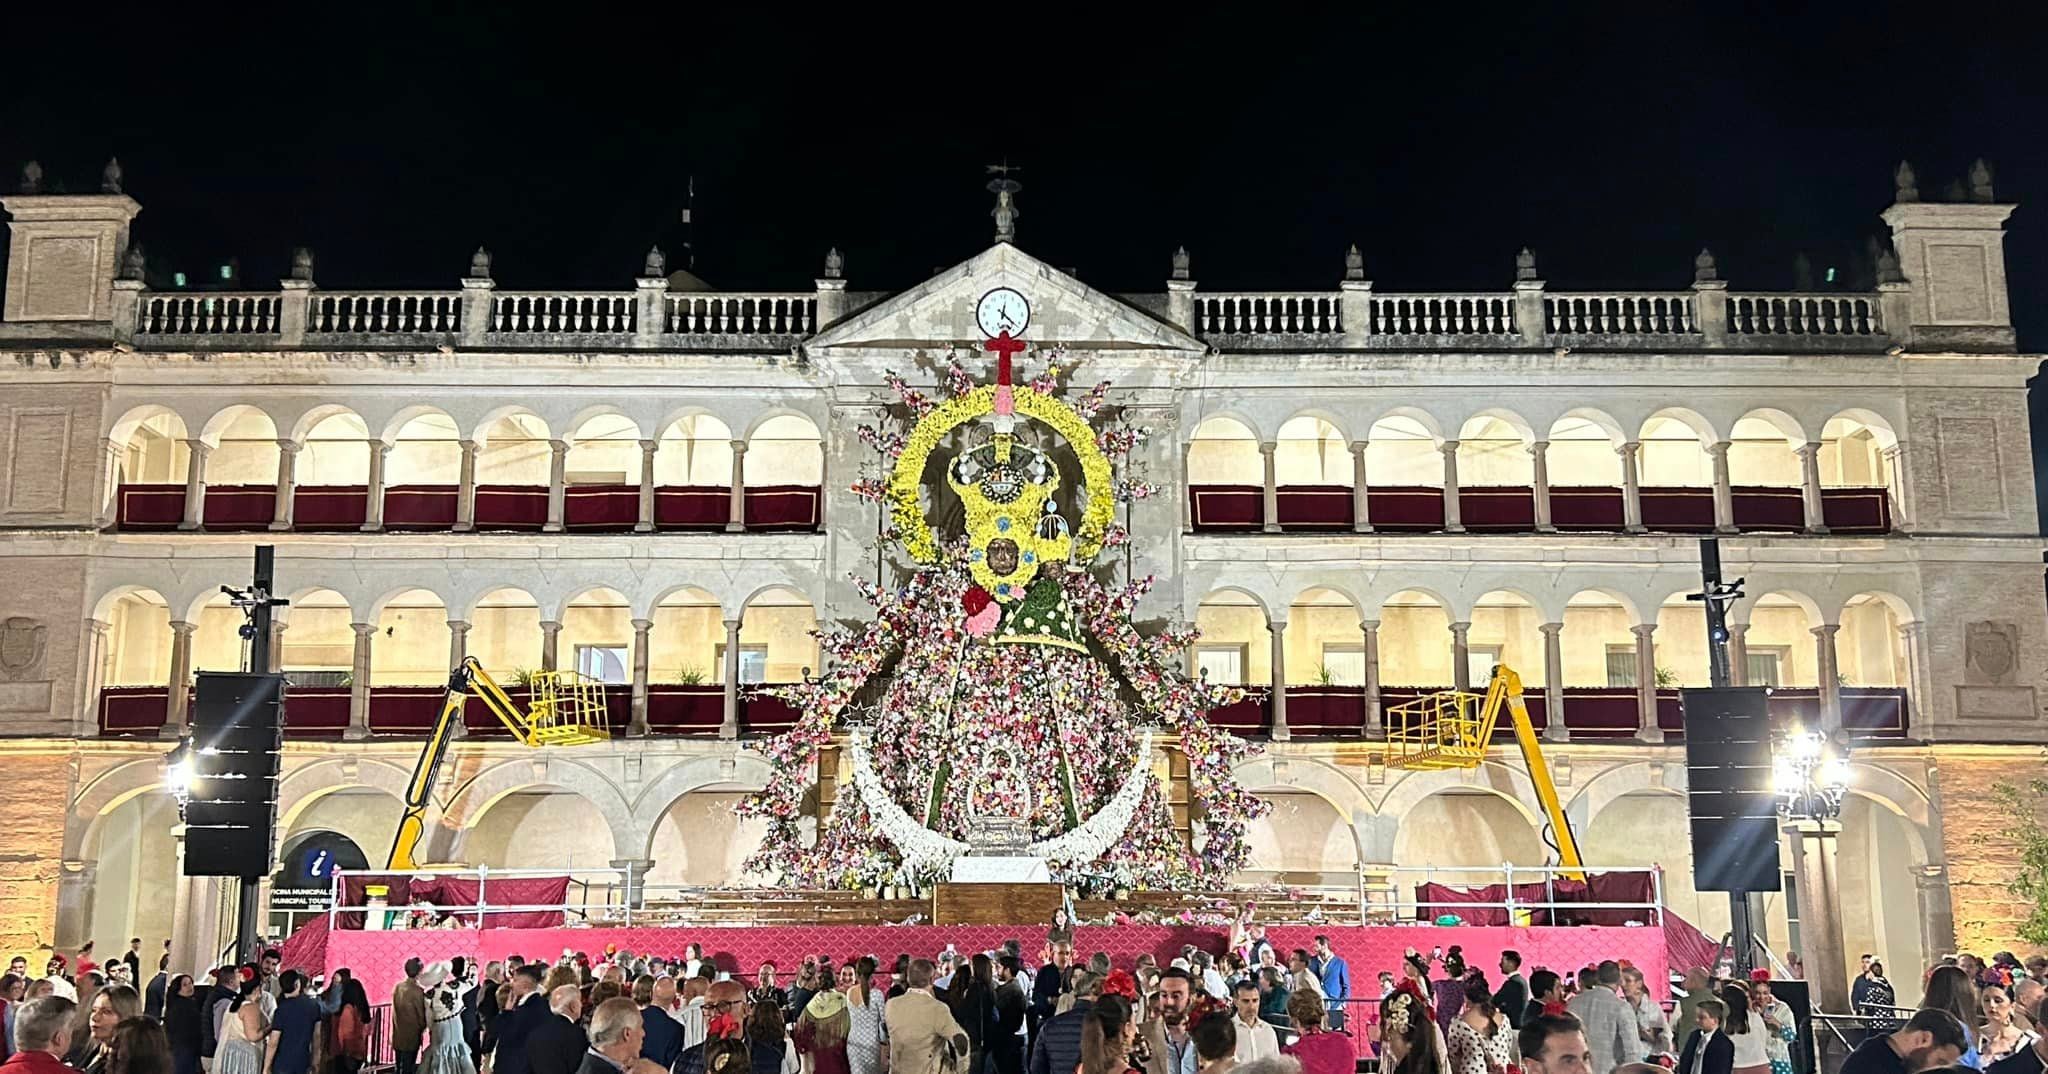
x=1400 y=1006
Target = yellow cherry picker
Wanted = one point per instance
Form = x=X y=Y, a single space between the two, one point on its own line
x=567 y=709
x=1452 y=729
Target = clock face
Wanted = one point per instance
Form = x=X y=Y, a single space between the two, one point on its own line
x=1002 y=310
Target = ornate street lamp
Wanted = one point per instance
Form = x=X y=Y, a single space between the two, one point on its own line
x=1809 y=777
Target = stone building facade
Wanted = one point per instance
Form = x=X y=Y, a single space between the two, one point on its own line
x=1368 y=494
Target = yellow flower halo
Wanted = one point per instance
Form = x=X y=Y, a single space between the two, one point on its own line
x=912 y=528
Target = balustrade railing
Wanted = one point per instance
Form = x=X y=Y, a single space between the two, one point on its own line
x=1280 y=314
x=1804 y=315
x=1444 y=315
x=515 y=312
x=1620 y=314
x=714 y=314
x=215 y=313
x=385 y=312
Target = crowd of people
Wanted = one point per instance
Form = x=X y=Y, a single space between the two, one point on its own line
x=1251 y=1009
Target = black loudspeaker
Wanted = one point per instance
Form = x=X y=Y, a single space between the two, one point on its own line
x=231 y=802
x=1798 y=997
x=1734 y=808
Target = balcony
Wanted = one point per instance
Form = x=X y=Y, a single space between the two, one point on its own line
x=1497 y=509
x=499 y=508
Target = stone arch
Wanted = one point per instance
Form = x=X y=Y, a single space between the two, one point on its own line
x=1486 y=458
x=160 y=457
x=1504 y=415
x=1596 y=417
x=312 y=417
x=1584 y=449
x=308 y=783
x=1419 y=416
x=749 y=770
x=1311 y=449
x=547 y=772
x=1742 y=610
x=1231 y=415
x=226 y=416
x=1324 y=415
x=1491 y=780
x=694 y=447
x=784 y=447
x=133 y=418
x=500 y=413
x=104 y=793
x=1241 y=626
x=1224 y=450
x=1792 y=428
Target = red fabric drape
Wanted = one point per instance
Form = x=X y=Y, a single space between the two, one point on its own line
x=1597 y=887
x=447 y=891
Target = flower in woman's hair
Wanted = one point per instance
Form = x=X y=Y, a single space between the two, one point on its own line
x=1397 y=1011
x=1120 y=983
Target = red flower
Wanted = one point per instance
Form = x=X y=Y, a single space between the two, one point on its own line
x=975 y=599
x=1119 y=983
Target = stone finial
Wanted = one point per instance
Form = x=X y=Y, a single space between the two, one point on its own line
x=1525 y=264
x=32 y=178
x=1006 y=190
x=835 y=264
x=1888 y=268
x=480 y=264
x=110 y=176
x=1180 y=263
x=1703 y=267
x=656 y=264
x=1980 y=180
x=1954 y=191
x=302 y=263
x=1907 y=188
x=133 y=262
x=1354 y=263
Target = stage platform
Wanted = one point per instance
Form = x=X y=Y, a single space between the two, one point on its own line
x=377 y=957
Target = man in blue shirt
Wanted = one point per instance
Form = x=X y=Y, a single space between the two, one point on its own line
x=292 y=1027
x=1335 y=974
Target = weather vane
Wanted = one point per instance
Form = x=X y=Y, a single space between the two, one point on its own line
x=1005 y=189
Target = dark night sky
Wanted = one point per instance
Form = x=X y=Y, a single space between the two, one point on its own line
x=1263 y=137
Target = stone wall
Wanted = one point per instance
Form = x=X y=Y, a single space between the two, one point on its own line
x=1976 y=839
x=31 y=846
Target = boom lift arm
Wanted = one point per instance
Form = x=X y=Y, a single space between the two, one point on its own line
x=1445 y=730
x=568 y=710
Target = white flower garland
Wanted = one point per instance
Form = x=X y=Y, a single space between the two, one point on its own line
x=926 y=849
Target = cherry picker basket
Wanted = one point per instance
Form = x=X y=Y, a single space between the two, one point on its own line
x=567 y=709
x=1446 y=729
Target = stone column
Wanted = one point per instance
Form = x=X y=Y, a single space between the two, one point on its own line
x=178 y=700
x=1899 y=482
x=643 y=630
x=1830 y=677
x=1738 y=654
x=1375 y=714
x=1539 y=454
x=1453 y=522
x=465 y=490
x=359 y=683
x=95 y=676
x=550 y=645
x=1270 y=497
x=736 y=510
x=1631 y=486
x=558 y=484
x=1809 y=486
x=646 y=523
x=110 y=479
x=274 y=658
x=1820 y=925
x=1461 y=656
x=373 y=505
x=183 y=928
x=730 y=727
x=1724 y=488
x=1187 y=502
x=287 y=483
x=75 y=880
x=1554 y=729
x=1646 y=684
x=1278 y=629
x=1361 y=500
x=1937 y=909
x=195 y=484
x=1914 y=634
x=631 y=885
x=458 y=651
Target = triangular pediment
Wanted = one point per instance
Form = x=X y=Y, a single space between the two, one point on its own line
x=1064 y=311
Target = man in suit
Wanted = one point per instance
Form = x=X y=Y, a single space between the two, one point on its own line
x=557 y=1045
x=923 y=1037
x=1707 y=1050
x=662 y=1040
x=1169 y=1048
x=1047 y=986
x=1554 y=1044
x=616 y=1029
x=1607 y=1020
x=1006 y=1046
x=1513 y=994
x=524 y=1013
x=408 y=1018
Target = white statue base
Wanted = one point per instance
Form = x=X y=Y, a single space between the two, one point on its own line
x=993 y=869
